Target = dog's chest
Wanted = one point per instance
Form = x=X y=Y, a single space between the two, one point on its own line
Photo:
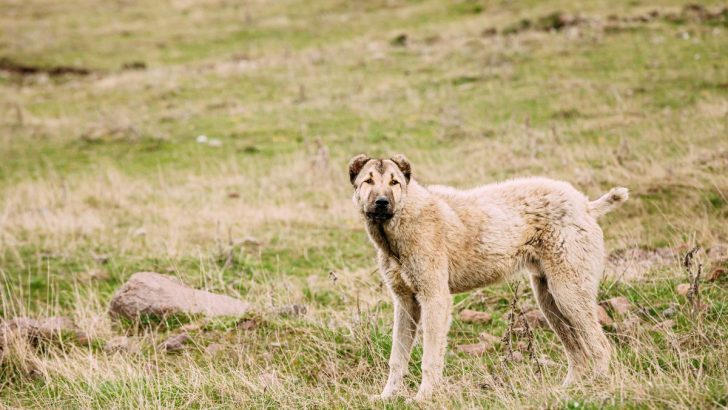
x=401 y=280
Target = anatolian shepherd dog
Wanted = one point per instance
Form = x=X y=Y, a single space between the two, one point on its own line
x=433 y=241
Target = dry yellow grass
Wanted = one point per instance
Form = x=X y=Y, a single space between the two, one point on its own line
x=101 y=176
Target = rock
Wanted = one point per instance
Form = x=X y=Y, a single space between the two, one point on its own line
x=292 y=310
x=670 y=311
x=619 y=304
x=718 y=252
x=489 y=339
x=683 y=289
x=628 y=324
x=476 y=349
x=473 y=316
x=603 y=316
x=248 y=324
x=122 y=344
x=535 y=319
x=214 y=349
x=153 y=294
x=517 y=356
x=716 y=273
x=175 y=343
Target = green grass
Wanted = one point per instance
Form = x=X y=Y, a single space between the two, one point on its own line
x=108 y=165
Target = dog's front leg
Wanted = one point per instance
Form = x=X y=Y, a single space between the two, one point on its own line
x=406 y=317
x=436 y=305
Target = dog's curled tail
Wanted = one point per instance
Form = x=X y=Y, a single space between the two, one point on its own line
x=608 y=201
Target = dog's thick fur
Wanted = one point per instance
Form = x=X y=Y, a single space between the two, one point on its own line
x=436 y=240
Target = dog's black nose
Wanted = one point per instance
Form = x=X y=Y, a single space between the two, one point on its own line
x=381 y=202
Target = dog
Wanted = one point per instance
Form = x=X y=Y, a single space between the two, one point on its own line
x=434 y=241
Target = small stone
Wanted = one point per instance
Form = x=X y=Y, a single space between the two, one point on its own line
x=476 y=349
x=248 y=324
x=619 y=304
x=489 y=339
x=718 y=252
x=670 y=311
x=474 y=316
x=201 y=139
x=716 y=273
x=214 y=349
x=603 y=316
x=627 y=325
x=683 y=289
x=536 y=319
x=175 y=343
x=517 y=356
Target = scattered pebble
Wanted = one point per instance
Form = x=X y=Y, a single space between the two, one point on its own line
x=683 y=289
x=620 y=304
x=476 y=349
x=175 y=343
x=474 y=316
x=214 y=349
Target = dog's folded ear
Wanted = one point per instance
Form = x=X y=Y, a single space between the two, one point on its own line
x=403 y=165
x=355 y=166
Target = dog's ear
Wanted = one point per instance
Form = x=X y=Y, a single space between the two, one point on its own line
x=355 y=166
x=403 y=164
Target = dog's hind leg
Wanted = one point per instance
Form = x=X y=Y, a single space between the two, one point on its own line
x=568 y=300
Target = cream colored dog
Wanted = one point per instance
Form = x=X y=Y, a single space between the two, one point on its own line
x=433 y=241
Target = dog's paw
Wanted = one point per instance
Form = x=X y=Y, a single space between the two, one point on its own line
x=380 y=397
x=423 y=395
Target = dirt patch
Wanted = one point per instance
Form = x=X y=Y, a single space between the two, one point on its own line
x=558 y=21
x=634 y=263
x=14 y=67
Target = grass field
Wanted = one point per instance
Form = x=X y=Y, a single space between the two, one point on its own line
x=102 y=174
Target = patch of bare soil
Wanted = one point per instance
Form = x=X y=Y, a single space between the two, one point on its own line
x=14 y=67
x=558 y=20
x=635 y=263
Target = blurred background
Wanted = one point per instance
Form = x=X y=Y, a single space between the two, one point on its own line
x=209 y=140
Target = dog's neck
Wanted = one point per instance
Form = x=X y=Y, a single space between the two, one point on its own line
x=388 y=235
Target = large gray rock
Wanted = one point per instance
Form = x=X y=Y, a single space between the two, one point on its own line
x=153 y=294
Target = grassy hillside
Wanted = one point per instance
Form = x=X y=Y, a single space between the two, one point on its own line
x=103 y=173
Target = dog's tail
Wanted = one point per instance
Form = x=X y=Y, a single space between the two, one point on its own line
x=608 y=201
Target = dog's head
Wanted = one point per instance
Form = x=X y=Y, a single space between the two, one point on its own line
x=380 y=185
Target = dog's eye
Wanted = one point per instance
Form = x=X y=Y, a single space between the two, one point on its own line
x=369 y=181
x=393 y=182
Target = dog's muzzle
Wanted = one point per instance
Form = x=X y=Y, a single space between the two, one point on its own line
x=381 y=211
